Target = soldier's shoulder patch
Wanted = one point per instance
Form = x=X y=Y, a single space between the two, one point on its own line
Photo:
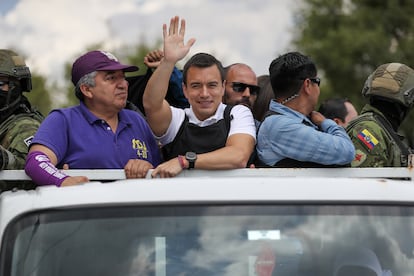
x=366 y=137
x=359 y=158
x=28 y=140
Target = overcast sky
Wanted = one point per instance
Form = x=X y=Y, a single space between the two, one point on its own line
x=52 y=32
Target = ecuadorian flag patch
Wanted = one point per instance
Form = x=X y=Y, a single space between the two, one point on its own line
x=368 y=139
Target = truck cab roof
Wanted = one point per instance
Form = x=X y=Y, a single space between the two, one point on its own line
x=236 y=222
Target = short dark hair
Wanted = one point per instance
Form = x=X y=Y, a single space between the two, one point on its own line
x=202 y=60
x=334 y=108
x=288 y=71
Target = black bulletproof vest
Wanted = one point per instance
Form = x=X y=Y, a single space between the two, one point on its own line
x=191 y=137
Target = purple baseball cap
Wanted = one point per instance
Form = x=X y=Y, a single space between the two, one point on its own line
x=97 y=61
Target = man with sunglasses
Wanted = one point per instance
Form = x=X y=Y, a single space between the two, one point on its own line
x=208 y=134
x=241 y=85
x=19 y=121
x=294 y=134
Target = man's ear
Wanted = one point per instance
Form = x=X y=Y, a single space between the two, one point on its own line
x=86 y=90
x=306 y=86
x=184 y=90
x=338 y=121
x=224 y=87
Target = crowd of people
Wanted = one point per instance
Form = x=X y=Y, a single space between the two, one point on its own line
x=205 y=116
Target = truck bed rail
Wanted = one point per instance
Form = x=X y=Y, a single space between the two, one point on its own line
x=118 y=174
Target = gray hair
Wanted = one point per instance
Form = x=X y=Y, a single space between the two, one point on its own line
x=89 y=80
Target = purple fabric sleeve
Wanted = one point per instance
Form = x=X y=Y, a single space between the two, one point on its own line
x=42 y=171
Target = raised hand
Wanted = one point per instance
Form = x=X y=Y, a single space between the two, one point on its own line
x=153 y=58
x=174 y=47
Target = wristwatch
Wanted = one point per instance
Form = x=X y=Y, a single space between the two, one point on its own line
x=191 y=158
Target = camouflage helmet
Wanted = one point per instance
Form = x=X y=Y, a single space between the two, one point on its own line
x=13 y=65
x=393 y=81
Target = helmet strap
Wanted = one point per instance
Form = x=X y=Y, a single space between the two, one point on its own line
x=393 y=111
x=11 y=99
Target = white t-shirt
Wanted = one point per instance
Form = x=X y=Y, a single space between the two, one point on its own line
x=242 y=121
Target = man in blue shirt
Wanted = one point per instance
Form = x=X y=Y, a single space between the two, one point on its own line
x=294 y=134
x=99 y=133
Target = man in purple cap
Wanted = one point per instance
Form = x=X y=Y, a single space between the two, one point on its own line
x=99 y=133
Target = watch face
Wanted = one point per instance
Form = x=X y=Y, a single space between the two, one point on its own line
x=191 y=155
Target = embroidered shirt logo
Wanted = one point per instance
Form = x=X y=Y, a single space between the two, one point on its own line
x=368 y=139
x=142 y=151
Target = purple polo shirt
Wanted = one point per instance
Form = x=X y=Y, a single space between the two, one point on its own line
x=81 y=140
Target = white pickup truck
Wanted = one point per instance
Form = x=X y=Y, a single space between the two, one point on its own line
x=249 y=222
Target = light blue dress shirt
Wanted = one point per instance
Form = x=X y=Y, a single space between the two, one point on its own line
x=291 y=134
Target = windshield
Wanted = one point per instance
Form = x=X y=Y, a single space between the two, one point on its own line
x=212 y=240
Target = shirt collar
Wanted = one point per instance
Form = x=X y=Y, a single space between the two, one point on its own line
x=89 y=116
x=282 y=109
x=218 y=115
x=123 y=119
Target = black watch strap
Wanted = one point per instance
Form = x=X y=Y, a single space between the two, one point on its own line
x=191 y=158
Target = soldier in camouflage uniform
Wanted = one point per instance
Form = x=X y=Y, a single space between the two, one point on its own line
x=18 y=120
x=390 y=90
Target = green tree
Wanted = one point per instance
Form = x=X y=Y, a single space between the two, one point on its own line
x=39 y=97
x=348 y=39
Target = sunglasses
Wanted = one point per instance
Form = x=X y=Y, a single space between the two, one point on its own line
x=241 y=87
x=316 y=80
x=2 y=83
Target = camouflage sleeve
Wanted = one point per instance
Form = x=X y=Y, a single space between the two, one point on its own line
x=371 y=145
x=17 y=140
